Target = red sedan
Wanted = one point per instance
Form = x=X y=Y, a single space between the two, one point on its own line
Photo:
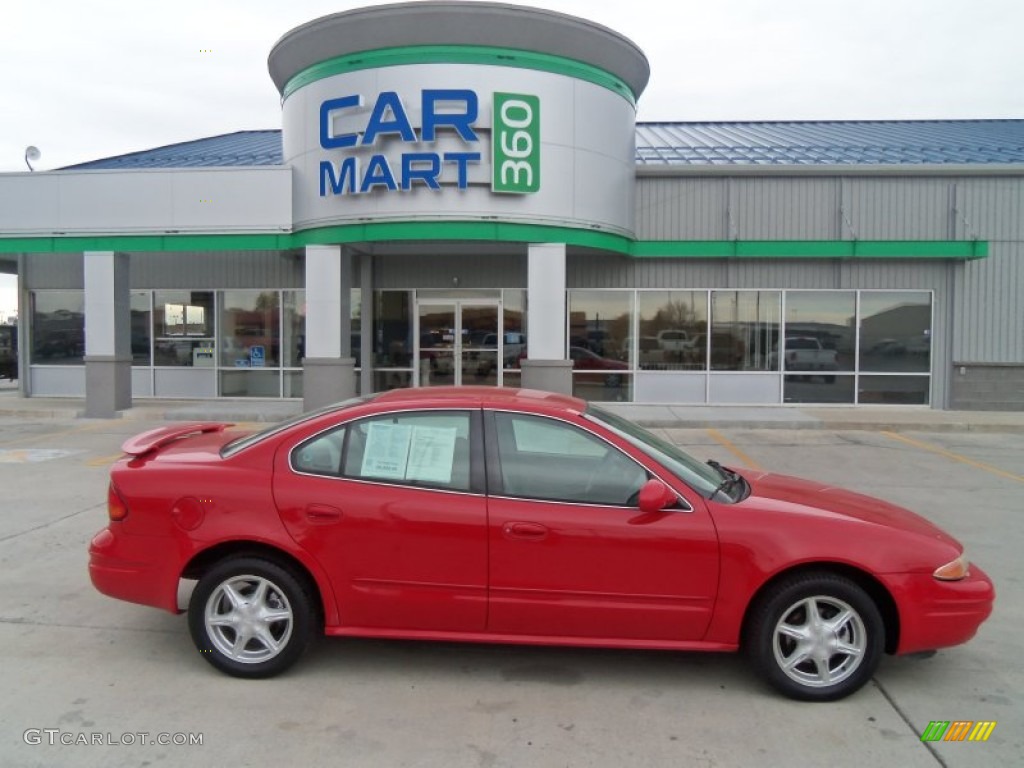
x=516 y=516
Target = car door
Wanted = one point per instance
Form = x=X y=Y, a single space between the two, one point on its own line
x=392 y=506
x=571 y=553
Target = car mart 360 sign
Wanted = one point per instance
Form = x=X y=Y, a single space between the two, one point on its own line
x=514 y=151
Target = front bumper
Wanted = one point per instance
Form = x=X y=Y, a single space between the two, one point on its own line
x=938 y=614
x=139 y=569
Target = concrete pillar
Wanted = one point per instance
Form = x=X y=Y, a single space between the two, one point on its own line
x=108 y=323
x=546 y=366
x=328 y=367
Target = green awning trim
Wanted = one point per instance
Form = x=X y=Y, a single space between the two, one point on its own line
x=488 y=231
x=459 y=54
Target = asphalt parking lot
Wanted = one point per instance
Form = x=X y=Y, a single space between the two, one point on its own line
x=76 y=662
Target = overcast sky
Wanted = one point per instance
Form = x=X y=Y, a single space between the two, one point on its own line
x=88 y=79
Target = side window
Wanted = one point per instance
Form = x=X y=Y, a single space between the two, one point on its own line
x=428 y=449
x=547 y=459
x=320 y=455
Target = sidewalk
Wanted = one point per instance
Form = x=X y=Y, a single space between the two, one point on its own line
x=875 y=418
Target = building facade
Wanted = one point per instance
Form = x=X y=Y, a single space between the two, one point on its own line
x=460 y=193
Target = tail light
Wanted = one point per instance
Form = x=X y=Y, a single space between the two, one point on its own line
x=117 y=510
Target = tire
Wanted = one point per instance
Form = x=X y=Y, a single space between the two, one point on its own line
x=815 y=660
x=249 y=596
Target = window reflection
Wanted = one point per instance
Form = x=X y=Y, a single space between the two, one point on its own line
x=250 y=329
x=600 y=325
x=392 y=345
x=141 y=318
x=673 y=329
x=820 y=331
x=895 y=331
x=514 y=318
x=293 y=342
x=58 y=327
x=183 y=329
x=744 y=329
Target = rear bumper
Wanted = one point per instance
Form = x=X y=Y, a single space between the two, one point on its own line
x=938 y=614
x=139 y=569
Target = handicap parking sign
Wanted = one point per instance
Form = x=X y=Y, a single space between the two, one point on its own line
x=257 y=356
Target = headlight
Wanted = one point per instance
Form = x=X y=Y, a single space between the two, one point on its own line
x=954 y=571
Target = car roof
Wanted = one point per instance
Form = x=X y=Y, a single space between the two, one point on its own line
x=507 y=397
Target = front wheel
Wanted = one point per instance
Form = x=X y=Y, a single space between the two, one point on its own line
x=251 y=617
x=816 y=636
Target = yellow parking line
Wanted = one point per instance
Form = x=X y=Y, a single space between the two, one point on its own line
x=50 y=435
x=103 y=461
x=954 y=456
x=721 y=439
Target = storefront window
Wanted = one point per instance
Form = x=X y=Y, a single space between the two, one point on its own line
x=58 y=327
x=514 y=313
x=895 y=331
x=392 y=336
x=894 y=390
x=141 y=318
x=293 y=346
x=357 y=327
x=744 y=330
x=250 y=329
x=672 y=331
x=820 y=331
x=600 y=324
x=183 y=325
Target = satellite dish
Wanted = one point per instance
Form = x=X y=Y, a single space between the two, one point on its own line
x=31 y=155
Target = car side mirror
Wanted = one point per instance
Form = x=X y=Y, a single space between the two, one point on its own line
x=655 y=496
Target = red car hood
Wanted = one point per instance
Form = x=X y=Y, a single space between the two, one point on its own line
x=819 y=499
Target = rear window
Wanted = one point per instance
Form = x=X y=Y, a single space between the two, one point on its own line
x=249 y=440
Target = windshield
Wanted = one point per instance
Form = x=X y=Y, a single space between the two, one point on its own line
x=701 y=477
x=244 y=442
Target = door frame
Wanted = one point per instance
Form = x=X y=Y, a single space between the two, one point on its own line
x=458 y=303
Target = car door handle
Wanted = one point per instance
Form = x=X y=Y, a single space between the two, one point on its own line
x=525 y=530
x=322 y=514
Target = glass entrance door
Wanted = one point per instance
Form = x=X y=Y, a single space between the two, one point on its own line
x=458 y=342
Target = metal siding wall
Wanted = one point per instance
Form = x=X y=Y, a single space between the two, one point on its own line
x=54 y=270
x=212 y=270
x=396 y=271
x=218 y=270
x=898 y=208
x=784 y=208
x=990 y=209
x=681 y=209
x=990 y=307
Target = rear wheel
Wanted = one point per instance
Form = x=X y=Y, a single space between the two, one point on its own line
x=251 y=617
x=816 y=636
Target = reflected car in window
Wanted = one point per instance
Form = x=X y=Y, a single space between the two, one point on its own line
x=479 y=514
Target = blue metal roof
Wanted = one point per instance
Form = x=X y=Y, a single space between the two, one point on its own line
x=880 y=142
x=245 y=148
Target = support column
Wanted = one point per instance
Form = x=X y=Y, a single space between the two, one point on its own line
x=328 y=368
x=546 y=366
x=108 y=322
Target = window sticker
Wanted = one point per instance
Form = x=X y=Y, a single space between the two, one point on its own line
x=387 y=451
x=431 y=454
x=407 y=452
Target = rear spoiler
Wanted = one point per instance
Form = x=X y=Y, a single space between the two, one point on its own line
x=161 y=436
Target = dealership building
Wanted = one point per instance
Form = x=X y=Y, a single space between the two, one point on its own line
x=460 y=194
